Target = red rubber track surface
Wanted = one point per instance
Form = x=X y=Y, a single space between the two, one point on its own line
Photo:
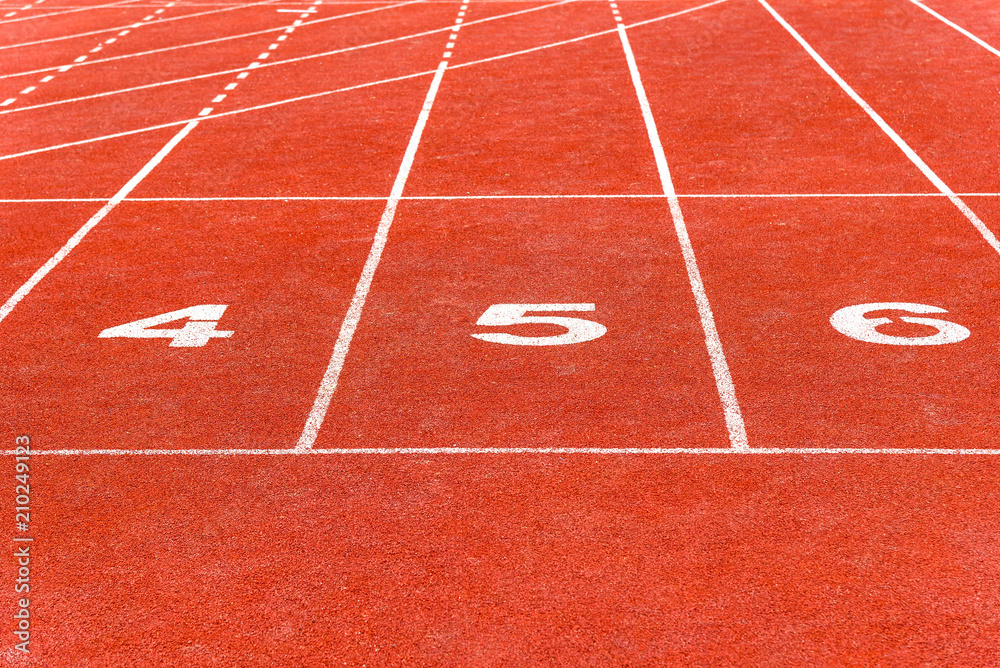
x=467 y=503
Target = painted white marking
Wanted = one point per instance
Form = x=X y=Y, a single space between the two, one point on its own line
x=75 y=240
x=111 y=40
x=47 y=79
x=311 y=96
x=304 y=16
x=231 y=452
x=329 y=383
x=159 y=11
x=68 y=11
x=196 y=332
x=253 y=66
x=230 y=86
x=124 y=32
x=337 y=198
x=205 y=112
x=578 y=330
x=8 y=101
x=297 y=22
x=851 y=321
x=149 y=18
x=272 y=47
x=95 y=49
x=450 y=45
x=9 y=14
x=242 y=75
x=720 y=368
x=289 y=31
x=986 y=233
x=264 y=56
x=80 y=59
x=282 y=38
x=27 y=90
x=447 y=54
x=282 y=62
x=65 y=68
x=957 y=27
x=218 y=98
x=134 y=25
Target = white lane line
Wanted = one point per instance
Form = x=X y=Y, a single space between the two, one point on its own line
x=986 y=233
x=273 y=64
x=133 y=25
x=382 y=198
x=75 y=240
x=328 y=385
x=720 y=368
x=217 y=40
x=353 y=316
x=311 y=96
x=957 y=27
x=224 y=452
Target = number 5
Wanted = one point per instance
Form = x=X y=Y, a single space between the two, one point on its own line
x=502 y=315
x=851 y=321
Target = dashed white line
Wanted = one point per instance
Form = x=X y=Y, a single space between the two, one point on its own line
x=345 y=89
x=133 y=25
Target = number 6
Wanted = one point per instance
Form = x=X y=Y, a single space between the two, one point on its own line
x=501 y=315
x=851 y=321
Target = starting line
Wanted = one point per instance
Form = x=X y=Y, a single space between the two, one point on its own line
x=524 y=451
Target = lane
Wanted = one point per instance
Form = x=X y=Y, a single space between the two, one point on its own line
x=253 y=389
x=777 y=270
x=921 y=63
x=285 y=272
x=804 y=135
x=416 y=376
x=30 y=233
x=780 y=271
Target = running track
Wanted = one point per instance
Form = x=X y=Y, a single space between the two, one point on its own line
x=722 y=466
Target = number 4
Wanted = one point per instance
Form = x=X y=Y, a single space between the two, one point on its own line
x=199 y=328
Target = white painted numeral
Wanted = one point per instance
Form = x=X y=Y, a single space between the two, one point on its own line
x=851 y=321
x=503 y=315
x=199 y=328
